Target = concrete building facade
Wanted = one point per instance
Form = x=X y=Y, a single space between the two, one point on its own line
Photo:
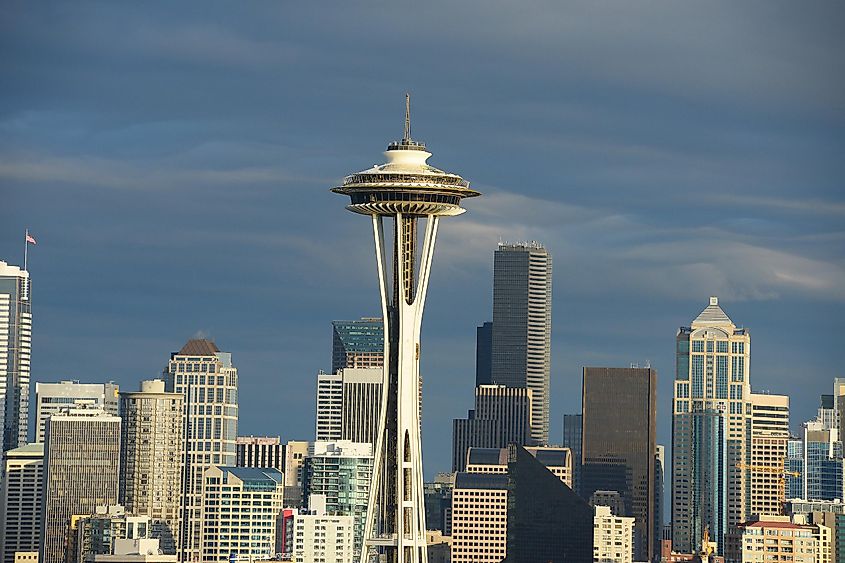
x=15 y=354
x=21 y=501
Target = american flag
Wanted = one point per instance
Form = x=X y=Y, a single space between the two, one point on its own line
x=30 y=239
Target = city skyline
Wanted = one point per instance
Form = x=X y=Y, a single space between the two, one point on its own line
x=119 y=251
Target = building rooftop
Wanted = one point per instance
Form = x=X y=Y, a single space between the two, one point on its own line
x=199 y=347
x=481 y=481
x=712 y=315
x=254 y=474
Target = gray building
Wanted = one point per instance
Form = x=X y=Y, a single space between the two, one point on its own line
x=502 y=416
x=619 y=428
x=53 y=398
x=208 y=382
x=572 y=440
x=484 y=354
x=151 y=458
x=15 y=349
x=348 y=404
x=81 y=472
x=20 y=500
x=260 y=451
x=522 y=326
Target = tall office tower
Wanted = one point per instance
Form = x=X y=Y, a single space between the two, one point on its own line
x=547 y=521
x=768 y=453
x=502 y=416
x=522 y=326
x=341 y=472
x=795 y=468
x=619 y=409
x=329 y=405
x=414 y=195
x=357 y=344
x=81 y=472
x=659 y=492
x=243 y=526
x=484 y=354
x=15 y=349
x=348 y=404
x=824 y=466
x=612 y=537
x=495 y=460
x=53 y=398
x=709 y=428
x=260 y=451
x=20 y=500
x=295 y=453
x=151 y=458
x=208 y=381
x=572 y=440
x=479 y=518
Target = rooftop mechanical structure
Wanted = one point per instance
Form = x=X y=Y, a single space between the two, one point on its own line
x=414 y=195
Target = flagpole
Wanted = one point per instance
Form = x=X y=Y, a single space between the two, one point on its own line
x=25 y=248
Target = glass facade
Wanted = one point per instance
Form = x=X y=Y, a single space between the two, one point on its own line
x=357 y=344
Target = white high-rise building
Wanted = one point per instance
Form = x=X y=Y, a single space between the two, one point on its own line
x=15 y=350
x=241 y=508
x=522 y=327
x=20 y=501
x=208 y=381
x=81 y=472
x=322 y=538
x=151 y=458
x=412 y=196
x=53 y=398
x=613 y=537
x=348 y=404
x=768 y=453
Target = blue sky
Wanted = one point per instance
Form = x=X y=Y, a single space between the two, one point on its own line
x=174 y=161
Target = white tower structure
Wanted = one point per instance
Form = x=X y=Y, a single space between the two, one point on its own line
x=406 y=190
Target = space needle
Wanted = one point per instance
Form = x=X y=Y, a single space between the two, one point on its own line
x=415 y=196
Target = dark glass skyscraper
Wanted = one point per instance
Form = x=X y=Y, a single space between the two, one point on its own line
x=547 y=521
x=619 y=409
x=572 y=440
x=357 y=344
x=484 y=354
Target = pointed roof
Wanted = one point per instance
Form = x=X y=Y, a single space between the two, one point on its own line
x=712 y=315
x=199 y=347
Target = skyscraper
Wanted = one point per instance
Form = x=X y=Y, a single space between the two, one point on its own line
x=522 y=326
x=341 y=473
x=53 y=398
x=484 y=354
x=81 y=472
x=20 y=500
x=767 y=453
x=709 y=428
x=208 y=382
x=260 y=451
x=619 y=409
x=151 y=458
x=415 y=196
x=348 y=404
x=357 y=344
x=502 y=416
x=572 y=440
x=15 y=350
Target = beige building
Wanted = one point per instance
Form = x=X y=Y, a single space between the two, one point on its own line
x=81 y=472
x=322 y=538
x=20 y=501
x=295 y=453
x=151 y=458
x=26 y=557
x=773 y=538
x=241 y=510
x=208 y=382
x=495 y=460
x=613 y=537
x=479 y=518
x=769 y=439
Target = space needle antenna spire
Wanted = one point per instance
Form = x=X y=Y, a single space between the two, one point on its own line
x=407 y=135
x=407 y=196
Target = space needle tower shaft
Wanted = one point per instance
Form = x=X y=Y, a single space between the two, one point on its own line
x=412 y=196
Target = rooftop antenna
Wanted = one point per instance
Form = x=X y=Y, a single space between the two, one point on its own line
x=407 y=135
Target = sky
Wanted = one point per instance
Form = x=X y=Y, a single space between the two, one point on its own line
x=174 y=162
